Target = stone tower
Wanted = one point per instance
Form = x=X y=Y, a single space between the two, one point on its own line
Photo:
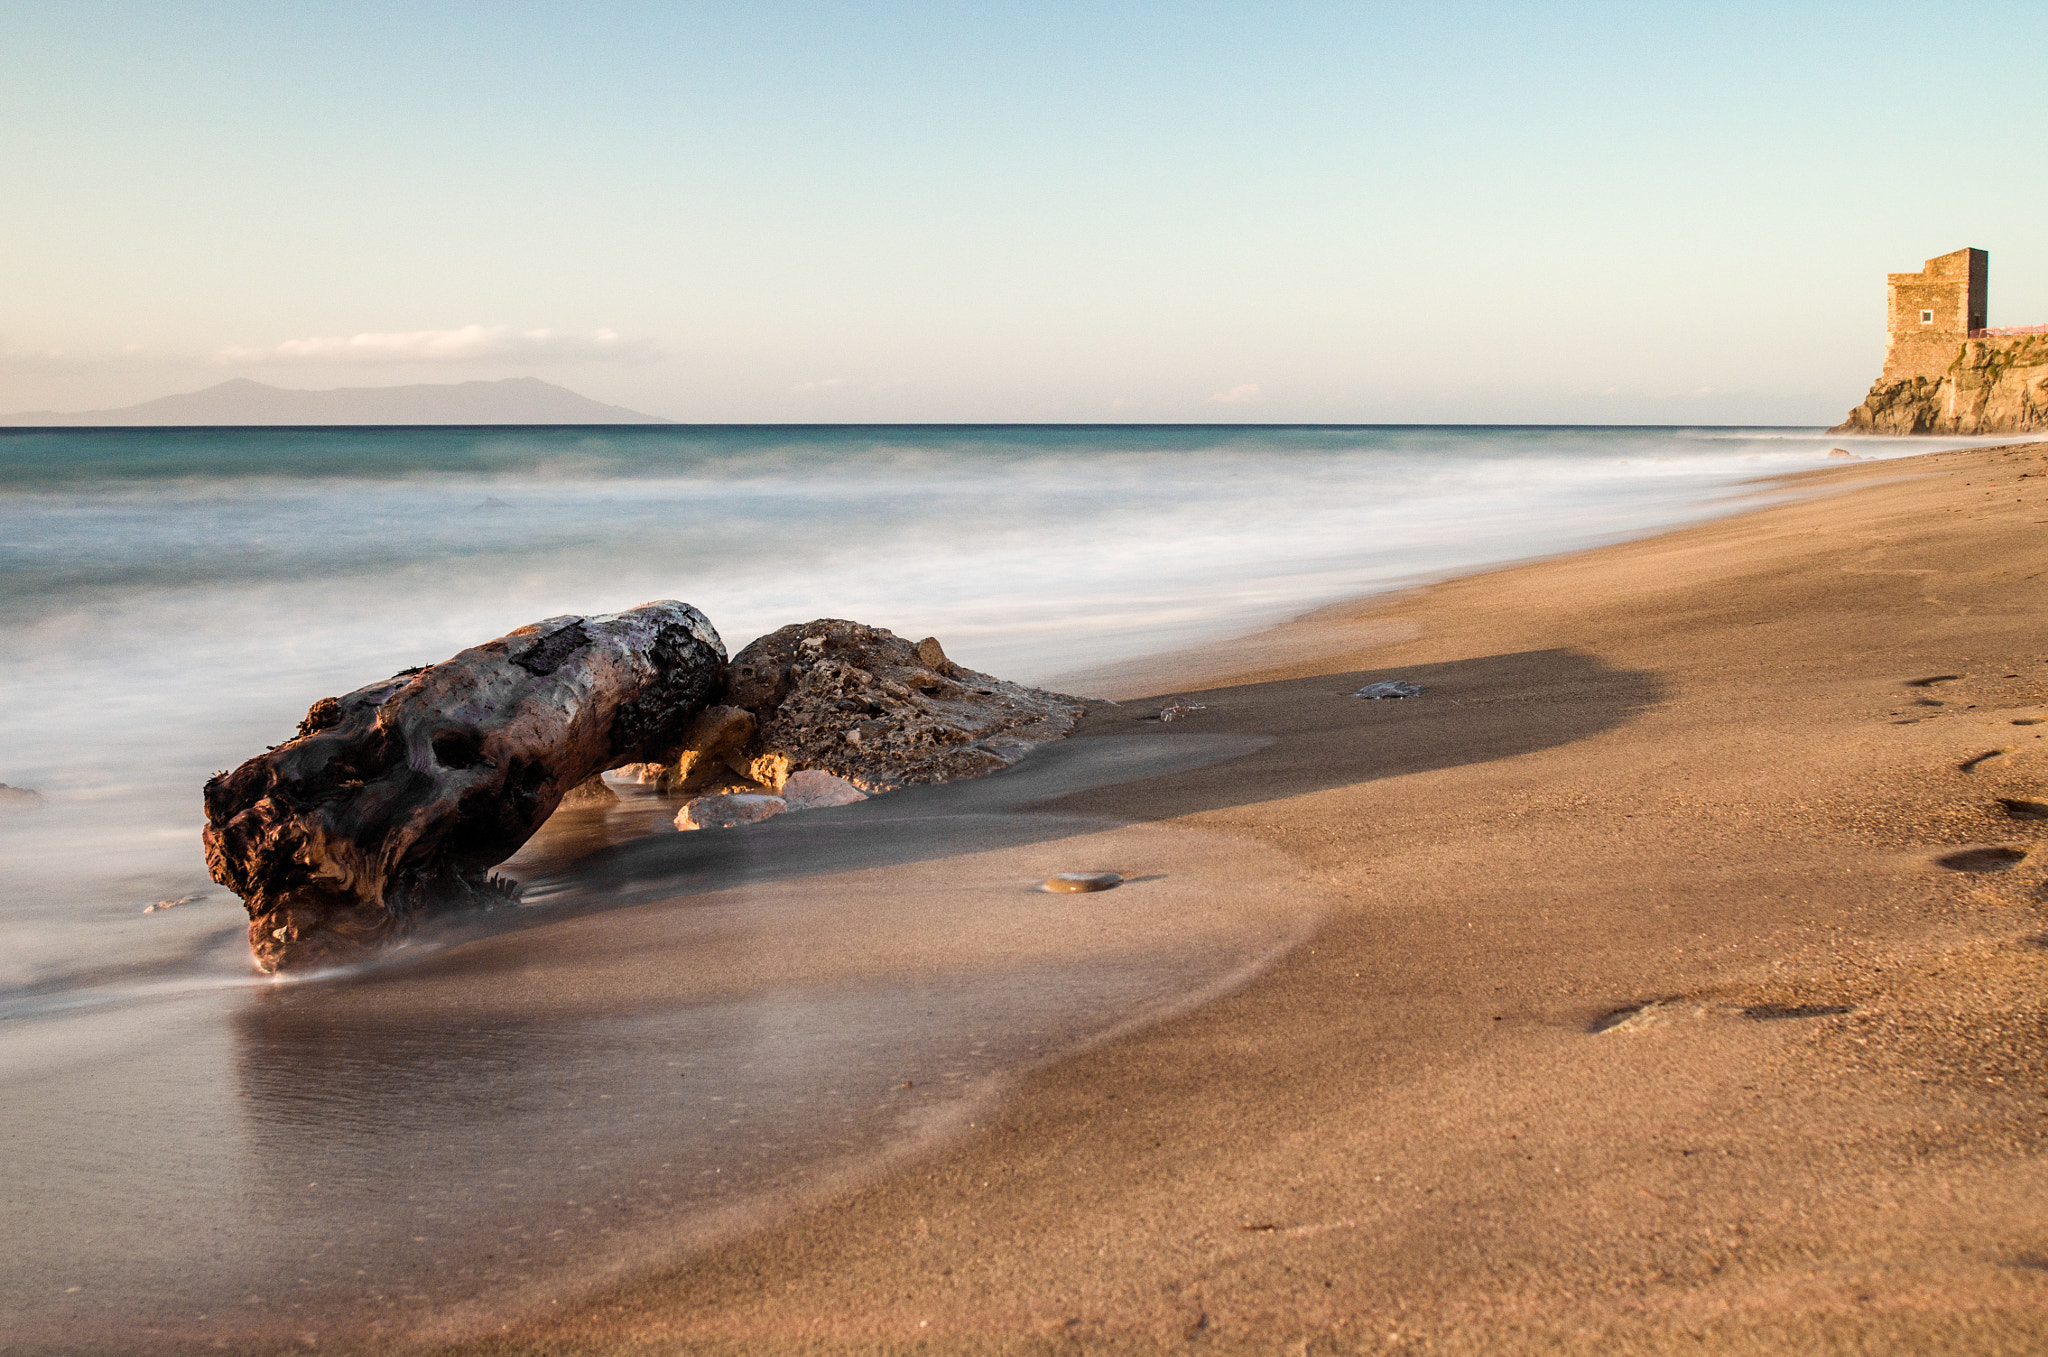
x=1945 y=370
x=1932 y=312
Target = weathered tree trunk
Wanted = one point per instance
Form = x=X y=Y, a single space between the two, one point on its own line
x=393 y=803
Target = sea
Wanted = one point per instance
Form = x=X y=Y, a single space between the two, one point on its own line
x=655 y=1057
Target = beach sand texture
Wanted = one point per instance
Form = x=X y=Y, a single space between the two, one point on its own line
x=1643 y=1016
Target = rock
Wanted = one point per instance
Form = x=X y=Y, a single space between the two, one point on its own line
x=19 y=798
x=729 y=810
x=1179 y=709
x=393 y=802
x=717 y=732
x=646 y=774
x=1074 y=883
x=1390 y=688
x=588 y=794
x=1994 y=385
x=814 y=790
x=163 y=905
x=1842 y=452
x=868 y=706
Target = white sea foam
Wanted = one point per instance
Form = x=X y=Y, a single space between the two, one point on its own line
x=174 y=602
x=171 y=601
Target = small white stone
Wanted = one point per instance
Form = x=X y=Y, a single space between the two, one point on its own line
x=729 y=810
x=814 y=789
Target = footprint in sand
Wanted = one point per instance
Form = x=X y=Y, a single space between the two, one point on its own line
x=1983 y=860
x=1636 y=1016
x=1776 y=1012
x=1970 y=765
x=1659 y=1011
x=1933 y=679
x=2024 y=810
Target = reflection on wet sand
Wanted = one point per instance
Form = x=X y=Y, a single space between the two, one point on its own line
x=676 y=1036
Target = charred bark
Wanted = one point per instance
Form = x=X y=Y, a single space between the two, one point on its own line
x=393 y=803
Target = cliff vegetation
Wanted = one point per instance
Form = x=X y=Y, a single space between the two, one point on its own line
x=1995 y=385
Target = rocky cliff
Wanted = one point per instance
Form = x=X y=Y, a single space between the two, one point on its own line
x=1997 y=385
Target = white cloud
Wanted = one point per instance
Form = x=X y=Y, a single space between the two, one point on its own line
x=470 y=344
x=1243 y=394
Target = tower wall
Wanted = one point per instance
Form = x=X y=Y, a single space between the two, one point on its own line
x=1931 y=313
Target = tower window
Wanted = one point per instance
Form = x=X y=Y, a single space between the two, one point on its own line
x=1927 y=318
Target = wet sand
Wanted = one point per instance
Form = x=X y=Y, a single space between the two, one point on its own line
x=1643 y=1013
x=673 y=1040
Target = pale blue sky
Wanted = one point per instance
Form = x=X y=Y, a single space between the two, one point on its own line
x=1454 y=212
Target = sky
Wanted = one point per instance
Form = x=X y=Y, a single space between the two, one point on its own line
x=1451 y=212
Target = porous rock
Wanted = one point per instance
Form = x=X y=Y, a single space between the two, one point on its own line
x=881 y=712
x=392 y=803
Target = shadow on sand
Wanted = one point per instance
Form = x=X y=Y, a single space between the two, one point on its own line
x=683 y=1022
x=1249 y=744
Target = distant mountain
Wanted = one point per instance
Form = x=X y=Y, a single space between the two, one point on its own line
x=515 y=400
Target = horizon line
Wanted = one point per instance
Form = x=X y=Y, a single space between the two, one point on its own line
x=674 y=424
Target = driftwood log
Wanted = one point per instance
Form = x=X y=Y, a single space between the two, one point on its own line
x=393 y=803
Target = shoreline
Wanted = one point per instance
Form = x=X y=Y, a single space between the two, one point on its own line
x=1654 y=788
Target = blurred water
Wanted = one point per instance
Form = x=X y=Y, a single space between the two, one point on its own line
x=172 y=600
x=631 y=1070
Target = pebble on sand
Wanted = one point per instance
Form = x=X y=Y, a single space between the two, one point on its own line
x=1072 y=883
x=1391 y=688
x=729 y=810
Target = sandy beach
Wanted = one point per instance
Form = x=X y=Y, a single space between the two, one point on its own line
x=1002 y=679
x=1677 y=985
